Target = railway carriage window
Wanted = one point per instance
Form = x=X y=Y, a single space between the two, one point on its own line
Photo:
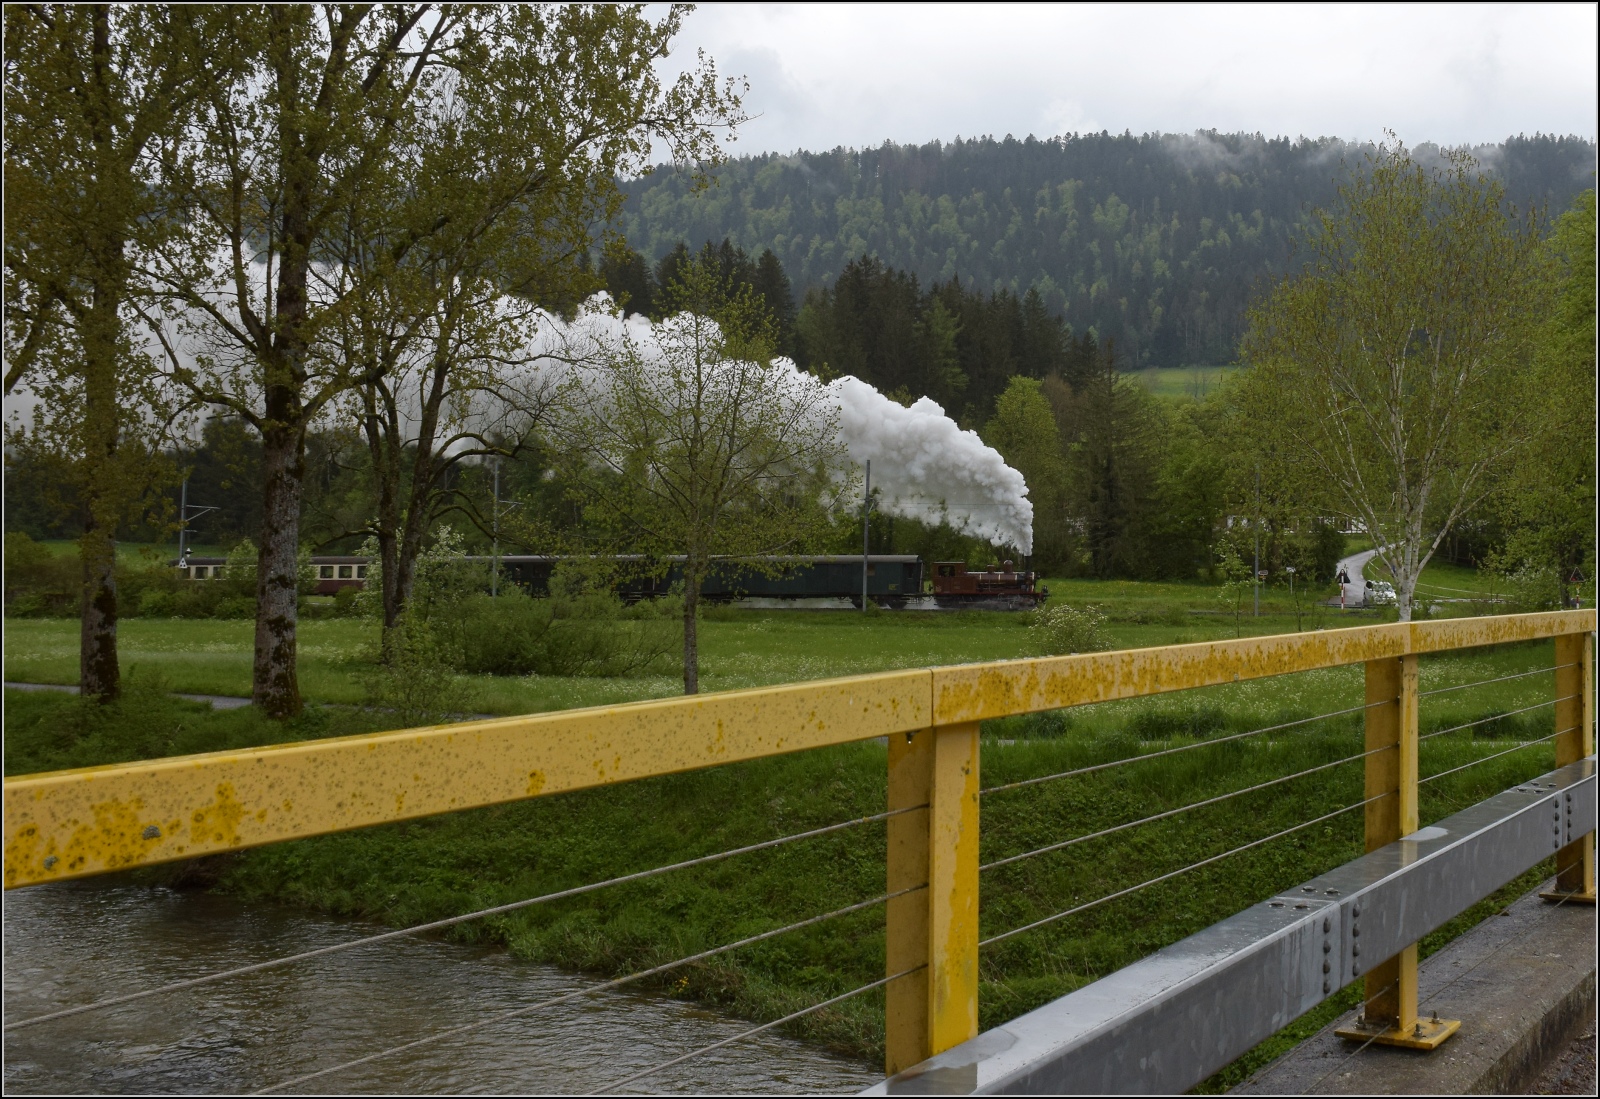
x=361 y=572
x=202 y=572
x=347 y=572
x=324 y=572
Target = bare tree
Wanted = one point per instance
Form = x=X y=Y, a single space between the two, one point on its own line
x=1389 y=376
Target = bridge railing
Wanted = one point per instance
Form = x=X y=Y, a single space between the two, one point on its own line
x=94 y=820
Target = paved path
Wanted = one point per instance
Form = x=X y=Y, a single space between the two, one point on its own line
x=1355 y=592
x=218 y=702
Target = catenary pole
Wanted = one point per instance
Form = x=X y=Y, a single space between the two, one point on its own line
x=866 y=513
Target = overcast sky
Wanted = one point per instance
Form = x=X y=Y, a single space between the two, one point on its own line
x=855 y=75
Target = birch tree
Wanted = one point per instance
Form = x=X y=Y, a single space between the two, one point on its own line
x=1389 y=375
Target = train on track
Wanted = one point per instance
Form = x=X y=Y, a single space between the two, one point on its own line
x=893 y=581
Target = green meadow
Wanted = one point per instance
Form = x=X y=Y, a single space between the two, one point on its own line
x=415 y=871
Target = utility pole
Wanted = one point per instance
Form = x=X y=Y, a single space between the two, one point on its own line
x=1256 y=576
x=866 y=513
x=184 y=515
x=494 y=543
x=183 y=526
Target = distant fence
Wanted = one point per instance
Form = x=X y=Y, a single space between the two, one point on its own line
x=72 y=824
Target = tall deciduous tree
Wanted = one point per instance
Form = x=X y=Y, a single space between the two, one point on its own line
x=329 y=131
x=96 y=97
x=1548 y=501
x=699 y=443
x=1390 y=376
x=1023 y=429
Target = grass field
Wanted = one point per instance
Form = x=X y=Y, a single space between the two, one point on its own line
x=1185 y=382
x=739 y=648
x=138 y=553
x=407 y=873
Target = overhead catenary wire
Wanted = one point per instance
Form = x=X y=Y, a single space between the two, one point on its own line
x=753 y=1031
x=1184 y=808
x=604 y=986
x=1182 y=748
x=451 y=921
x=1181 y=870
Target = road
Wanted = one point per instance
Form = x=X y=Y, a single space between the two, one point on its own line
x=1355 y=592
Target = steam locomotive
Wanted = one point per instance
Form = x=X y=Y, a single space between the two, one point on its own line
x=893 y=581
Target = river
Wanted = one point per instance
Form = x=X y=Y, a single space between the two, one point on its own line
x=72 y=943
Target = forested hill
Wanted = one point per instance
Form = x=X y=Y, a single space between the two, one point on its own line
x=1155 y=241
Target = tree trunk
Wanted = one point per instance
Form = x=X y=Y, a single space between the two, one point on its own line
x=99 y=676
x=691 y=635
x=275 y=689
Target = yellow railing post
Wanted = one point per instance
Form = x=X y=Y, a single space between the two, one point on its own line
x=1574 y=740
x=936 y=1008
x=906 y=930
x=1390 y=1012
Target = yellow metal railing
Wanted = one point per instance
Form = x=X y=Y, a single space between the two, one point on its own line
x=69 y=824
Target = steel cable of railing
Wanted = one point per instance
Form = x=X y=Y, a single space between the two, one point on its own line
x=1184 y=808
x=451 y=921
x=1494 y=717
x=1496 y=679
x=1384 y=991
x=1497 y=755
x=802 y=1013
x=604 y=986
x=1181 y=870
x=1183 y=748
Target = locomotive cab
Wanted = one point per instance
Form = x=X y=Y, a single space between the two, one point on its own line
x=953 y=585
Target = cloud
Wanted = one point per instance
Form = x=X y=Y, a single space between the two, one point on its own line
x=856 y=75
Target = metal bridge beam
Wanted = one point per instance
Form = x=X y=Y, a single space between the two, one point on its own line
x=1168 y=1021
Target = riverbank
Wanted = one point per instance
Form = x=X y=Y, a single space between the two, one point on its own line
x=417 y=871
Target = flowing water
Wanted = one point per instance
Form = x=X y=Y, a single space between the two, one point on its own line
x=73 y=943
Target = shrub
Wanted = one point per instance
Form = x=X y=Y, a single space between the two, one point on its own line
x=38 y=582
x=587 y=633
x=1535 y=588
x=1165 y=724
x=156 y=604
x=414 y=680
x=1063 y=629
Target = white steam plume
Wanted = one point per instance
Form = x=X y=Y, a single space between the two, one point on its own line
x=924 y=466
x=927 y=468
